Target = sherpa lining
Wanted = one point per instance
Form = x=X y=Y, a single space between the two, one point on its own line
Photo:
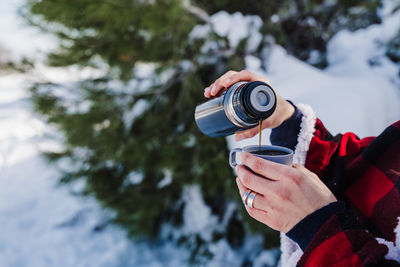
x=291 y=252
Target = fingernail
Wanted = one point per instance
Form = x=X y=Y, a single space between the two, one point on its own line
x=206 y=91
x=213 y=89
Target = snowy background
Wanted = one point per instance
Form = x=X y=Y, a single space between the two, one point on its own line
x=43 y=224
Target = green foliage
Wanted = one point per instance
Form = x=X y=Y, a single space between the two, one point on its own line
x=8 y=64
x=164 y=139
x=109 y=144
x=393 y=48
x=120 y=32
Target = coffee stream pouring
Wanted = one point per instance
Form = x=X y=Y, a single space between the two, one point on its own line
x=241 y=107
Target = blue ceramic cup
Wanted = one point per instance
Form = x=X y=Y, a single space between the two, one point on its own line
x=278 y=154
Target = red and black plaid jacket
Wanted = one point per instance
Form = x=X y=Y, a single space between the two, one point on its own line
x=364 y=174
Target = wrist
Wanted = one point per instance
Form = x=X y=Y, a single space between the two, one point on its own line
x=287 y=131
x=286 y=111
x=289 y=111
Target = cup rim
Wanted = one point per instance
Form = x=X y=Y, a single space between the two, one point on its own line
x=272 y=147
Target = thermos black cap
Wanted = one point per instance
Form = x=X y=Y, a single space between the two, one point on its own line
x=259 y=99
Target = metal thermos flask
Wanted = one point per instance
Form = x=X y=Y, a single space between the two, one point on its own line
x=239 y=108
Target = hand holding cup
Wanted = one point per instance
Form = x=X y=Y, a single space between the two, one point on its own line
x=288 y=195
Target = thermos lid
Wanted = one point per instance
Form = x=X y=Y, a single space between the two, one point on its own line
x=262 y=98
x=259 y=99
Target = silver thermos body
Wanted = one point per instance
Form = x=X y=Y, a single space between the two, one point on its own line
x=239 y=108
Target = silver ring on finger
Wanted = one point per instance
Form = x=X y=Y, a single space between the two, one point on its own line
x=245 y=195
x=250 y=199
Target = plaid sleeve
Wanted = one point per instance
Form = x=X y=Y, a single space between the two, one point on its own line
x=325 y=147
x=304 y=231
x=363 y=173
x=342 y=241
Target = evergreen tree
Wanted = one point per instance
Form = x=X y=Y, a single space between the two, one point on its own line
x=131 y=136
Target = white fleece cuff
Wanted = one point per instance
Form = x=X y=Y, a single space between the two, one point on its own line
x=291 y=252
x=307 y=129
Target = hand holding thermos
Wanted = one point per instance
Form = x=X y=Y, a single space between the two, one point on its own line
x=282 y=112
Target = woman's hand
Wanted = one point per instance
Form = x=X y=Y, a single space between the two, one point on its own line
x=284 y=110
x=291 y=194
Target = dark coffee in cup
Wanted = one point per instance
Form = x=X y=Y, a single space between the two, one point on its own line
x=270 y=152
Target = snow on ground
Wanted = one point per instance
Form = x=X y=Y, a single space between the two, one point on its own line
x=43 y=224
